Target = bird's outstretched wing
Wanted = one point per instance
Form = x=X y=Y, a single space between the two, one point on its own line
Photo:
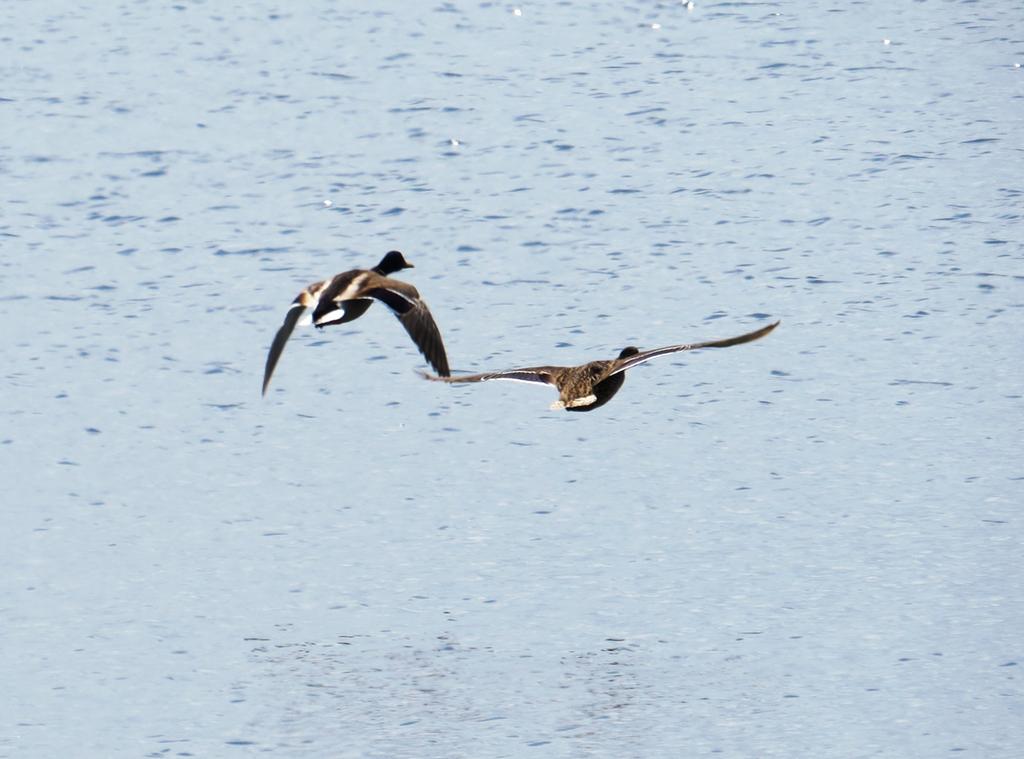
x=414 y=315
x=643 y=356
x=534 y=375
x=290 y=320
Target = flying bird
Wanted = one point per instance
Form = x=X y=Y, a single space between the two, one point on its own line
x=591 y=385
x=346 y=296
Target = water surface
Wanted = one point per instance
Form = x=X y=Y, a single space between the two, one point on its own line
x=806 y=546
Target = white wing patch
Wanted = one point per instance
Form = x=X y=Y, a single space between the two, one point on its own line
x=331 y=316
x=586 y=400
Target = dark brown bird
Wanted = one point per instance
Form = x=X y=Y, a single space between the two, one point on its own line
x=590 y=386
x=346 y=296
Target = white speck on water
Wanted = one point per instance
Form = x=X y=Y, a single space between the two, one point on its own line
x=517 y=11
x=886 y=41
x=655 y=25
x=328 y=203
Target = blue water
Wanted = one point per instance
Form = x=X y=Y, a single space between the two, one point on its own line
x=806 y=546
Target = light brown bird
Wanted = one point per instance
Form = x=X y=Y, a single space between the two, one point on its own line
x=346 y=296
x=591 y=385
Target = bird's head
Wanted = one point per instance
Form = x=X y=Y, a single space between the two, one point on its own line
x=392 y=262
x=629 y=351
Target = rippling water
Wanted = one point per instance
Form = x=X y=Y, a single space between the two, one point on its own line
x=807 y=546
